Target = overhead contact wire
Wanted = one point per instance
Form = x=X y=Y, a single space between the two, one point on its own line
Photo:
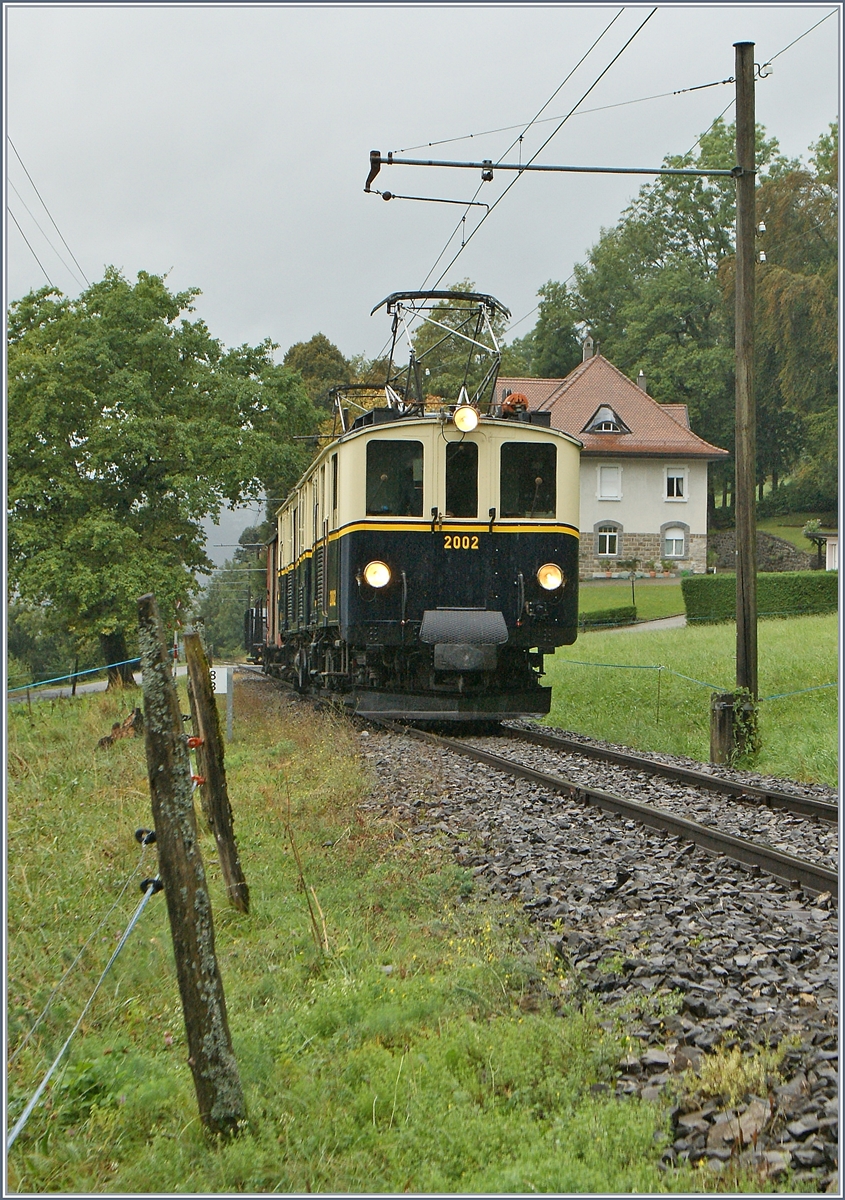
x=552 y=135
x=32 y=252
x=46 y=209
x=584 y=56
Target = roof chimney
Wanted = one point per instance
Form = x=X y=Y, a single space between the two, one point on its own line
x=641 y=382
x=587 y=349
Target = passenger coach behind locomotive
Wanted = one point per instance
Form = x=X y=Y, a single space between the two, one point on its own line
x=428 y=559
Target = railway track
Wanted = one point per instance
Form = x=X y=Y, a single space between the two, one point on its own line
x=788 y=868
x=805 y=806
x=691 y=951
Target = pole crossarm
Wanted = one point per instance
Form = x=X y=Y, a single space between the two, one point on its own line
x=487 y=167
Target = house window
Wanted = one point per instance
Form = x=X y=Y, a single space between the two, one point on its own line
x=673 y=542
x=610 y=483
x=676 y=483
x=607 y=540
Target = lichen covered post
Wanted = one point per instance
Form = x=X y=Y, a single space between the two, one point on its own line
x=212 y=1062
x=214 y=791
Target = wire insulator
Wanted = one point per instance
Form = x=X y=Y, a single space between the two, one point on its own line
x=145 y=836
x=193 y=742
x=155 y=884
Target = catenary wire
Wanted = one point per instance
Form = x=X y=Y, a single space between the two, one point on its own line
x=32 y=252
x=589 y=51
x=46 y=209
x=593 y=85
x=583 y=113
x=43 y=234
x=802 y=35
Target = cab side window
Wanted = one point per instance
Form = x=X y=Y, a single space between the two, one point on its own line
x=462 y=479
x=394 y=478
x=528 y=479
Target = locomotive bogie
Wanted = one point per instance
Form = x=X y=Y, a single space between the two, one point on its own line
x=422 y=572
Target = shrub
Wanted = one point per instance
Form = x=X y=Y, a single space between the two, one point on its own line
x=712 y=598
x=604 y=618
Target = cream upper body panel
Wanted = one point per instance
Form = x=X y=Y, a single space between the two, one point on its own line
x=332 y=493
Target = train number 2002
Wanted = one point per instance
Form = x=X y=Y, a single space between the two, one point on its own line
x=457 y=541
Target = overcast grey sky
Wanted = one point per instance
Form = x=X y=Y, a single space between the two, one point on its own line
x=228 y=145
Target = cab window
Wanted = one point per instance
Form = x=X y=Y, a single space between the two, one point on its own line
x=462 y=479
x=528 y=479
x=394 y=479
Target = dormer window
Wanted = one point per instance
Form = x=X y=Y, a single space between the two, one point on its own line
x=605 y=420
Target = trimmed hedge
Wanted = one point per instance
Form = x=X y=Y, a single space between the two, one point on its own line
x=712 y=598
x=604 y=618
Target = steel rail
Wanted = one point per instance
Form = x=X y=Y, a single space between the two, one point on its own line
x=803 y=806
x=785 y=867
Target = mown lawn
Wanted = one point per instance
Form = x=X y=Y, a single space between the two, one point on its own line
x=621 y=698
x=654 y=597
x=413 y=1043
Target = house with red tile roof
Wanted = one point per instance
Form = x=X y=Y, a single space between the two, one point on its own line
x=643 y=470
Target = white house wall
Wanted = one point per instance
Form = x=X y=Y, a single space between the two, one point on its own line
x=643 y=513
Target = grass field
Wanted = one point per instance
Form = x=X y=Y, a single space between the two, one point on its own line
x=414 y=1044
x=417 y=1040
x=619 y=702
x=789 y=527
x=654 y=597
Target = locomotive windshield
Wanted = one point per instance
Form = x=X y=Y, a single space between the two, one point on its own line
x=462 y=479
x=528 y=479
x=394 y=479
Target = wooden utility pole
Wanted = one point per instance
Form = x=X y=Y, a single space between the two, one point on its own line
x=212 y=1062
x=746 y=417
x=214 y=792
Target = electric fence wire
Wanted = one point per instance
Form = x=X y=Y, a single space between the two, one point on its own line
x=23 y=1042
x=25 y=1115
x=46 y=209
x=557 y=90
x=552 y=135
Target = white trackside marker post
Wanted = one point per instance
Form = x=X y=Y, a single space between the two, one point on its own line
x=221 y=681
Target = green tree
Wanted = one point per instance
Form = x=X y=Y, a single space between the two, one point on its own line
x=127 y=426
x=652 y=291
x=234 y=588
x=321 y=366
x=555 y=348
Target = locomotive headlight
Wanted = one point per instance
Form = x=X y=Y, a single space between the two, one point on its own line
x=377 y=574
x=466 y=418
x=550 y=577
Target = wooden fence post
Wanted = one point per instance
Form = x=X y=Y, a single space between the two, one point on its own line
x=721 y=727
x=212 y=1062
x=214 y=792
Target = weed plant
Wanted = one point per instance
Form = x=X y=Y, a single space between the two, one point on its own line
x=404 y=1040
x=618 y=704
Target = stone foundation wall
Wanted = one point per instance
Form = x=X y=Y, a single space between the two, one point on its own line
x=644 y=546
x=773 y=553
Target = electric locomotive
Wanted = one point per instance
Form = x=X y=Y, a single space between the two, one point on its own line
x=428 y=558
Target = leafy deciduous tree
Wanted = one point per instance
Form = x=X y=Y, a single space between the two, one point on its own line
x=126 y=428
